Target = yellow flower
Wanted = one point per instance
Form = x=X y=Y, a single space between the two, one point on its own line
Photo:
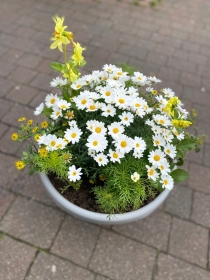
x=44 y=124
x=37 y=136
x=20 y=164
x=154 y=92
x=29 y=122
x=43 y=152
x=35 y=129
x=172 y=103
x=77 y=54
x=70 y=74
x=181 y=123
x=14 y=136
x=22 y=119
x=60 y=35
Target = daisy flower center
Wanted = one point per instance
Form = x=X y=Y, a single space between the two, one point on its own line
x=108 y=93
x=115 y=130
x=165 y=182
x=123 y=144
x=168 y=151
x=156 y=157
x=126 y=119
x=84 y=101
x=100 y=159
x=139 y=78
x=115 y=155
x=52 y=101
x=137 y=145
x=137 y=105
x=63 y=106
x=74 y=173
x=73 y=135
x=151 y=172
x=157 y=142
x=95 y=143
x=57 y=113
x=52 y=143
x=121 y=100
x=92 y=107
x=98 y=130
x=162 y=122
x=78 y=86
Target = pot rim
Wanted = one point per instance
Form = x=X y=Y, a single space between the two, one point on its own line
x=101 y=218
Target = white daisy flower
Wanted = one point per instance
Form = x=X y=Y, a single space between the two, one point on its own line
x=150 y=123
x=72 y=123
x=51 y=100
x=69 y=115
x=115 y=155
x=91 y=152
x=170 y=150
x=43 y=140
x=122 y=100
x=149 y=89
x=74 y=174
x=78 y=84
x=156 y=157
x=115 y=129
x=94 y=95
x=97 y=142
x=73 y=134
x=57 y=112
x=132 y=91
x=61 y=144
x=52 y=141
x=167 y=135
x=152 y=173
x=126 y=118
x=139 y=78
x=180 y=136
x=103 y=76
x=88 y=79
x=156 y=129
x=139 y=144
x=39 y=109
x=158 y=140
x=109 y=68
x=92 y=106
x=164 y=167
x=101 y=159
x=138 y=154
x=167 y=181
x=63 y=104
x=137 y=103
x=140 y=112
x=98 y=127
x=154 y=80
x=168 y=92
x=162 y=119
x=108 y=110
x=123 y=144
x=135 y=177
x=58 y=82
x=82 y=100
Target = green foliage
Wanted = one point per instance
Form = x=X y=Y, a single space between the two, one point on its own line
x=53 y=162
x=120 y=193
x=179 y=175
x=127 y=68
x=57 y=66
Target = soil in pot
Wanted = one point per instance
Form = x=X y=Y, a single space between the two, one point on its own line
x=84 y=197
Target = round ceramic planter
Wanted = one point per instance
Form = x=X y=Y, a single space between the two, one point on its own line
x=99 y=218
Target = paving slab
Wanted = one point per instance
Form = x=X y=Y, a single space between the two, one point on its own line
x=80 y=239
x=199 y=178
x=121 y=259
x=201 y=209
x=15 y=258
x=189 y=242
x=51 y=267
x=172 y=268
x=32 y=222
x=6 y=198
x=153 y=230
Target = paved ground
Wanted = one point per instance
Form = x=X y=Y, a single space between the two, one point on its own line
x=37 y=240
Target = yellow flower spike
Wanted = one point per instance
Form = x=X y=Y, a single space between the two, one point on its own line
x=20 y=164
x=77 y=54
x=181 y=123
x=61 y=37
x=14 y=136
x=44 y=124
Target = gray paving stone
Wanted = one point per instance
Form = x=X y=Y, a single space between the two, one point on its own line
x=206 y=159
x=50 y=267
x=7 y=145
x=23 y=75
x=5 y=106
x=99 y=277
x=170 y=268
x=6 y=198
x=42 y=81
x=22 y=94
x=189 y=242
x=80 y=239
x=32 y=222
x=8 y=171
x=3 y=129
x=6 y=85
x=201 y=209
x=153 y=230
x=120 y=258
x=199 y=178
x=179 y=202
x=15 y=258
x=31 y=186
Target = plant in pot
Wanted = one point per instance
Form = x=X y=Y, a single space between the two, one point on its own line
x=111 y=143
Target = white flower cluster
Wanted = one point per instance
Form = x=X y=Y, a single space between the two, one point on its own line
x=108 y=95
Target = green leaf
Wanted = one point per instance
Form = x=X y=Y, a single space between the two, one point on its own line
x=176 y=114
x=186 y=145
x=179 y=175
x=179 y=154
x=83 y=63
x=57 y=66
x=47 y=112
x=66 y=94
x=32 y=169
x=180 y=162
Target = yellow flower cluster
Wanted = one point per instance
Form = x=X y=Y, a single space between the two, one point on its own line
x=43 y=152
x=172 y=103
x=181 y=123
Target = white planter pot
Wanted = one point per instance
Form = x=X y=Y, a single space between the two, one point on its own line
x=99 y=218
